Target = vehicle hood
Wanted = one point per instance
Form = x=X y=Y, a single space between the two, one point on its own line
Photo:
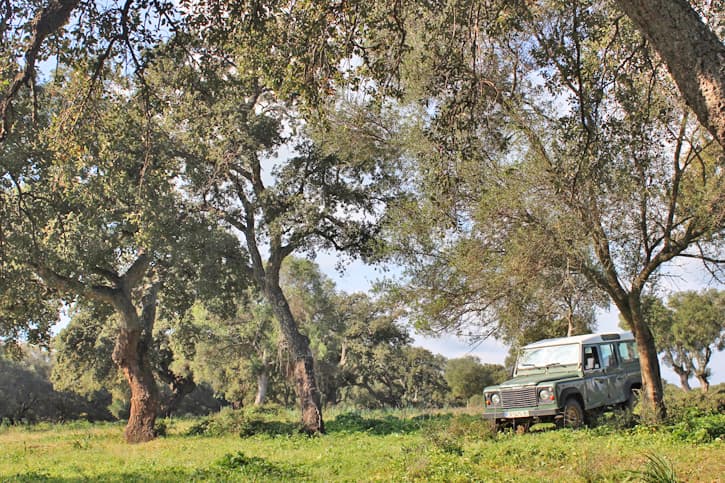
x=534 y=379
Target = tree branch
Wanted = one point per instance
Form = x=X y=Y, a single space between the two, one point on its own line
x=46 y=22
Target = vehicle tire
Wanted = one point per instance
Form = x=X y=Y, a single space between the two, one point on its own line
x=573 y=414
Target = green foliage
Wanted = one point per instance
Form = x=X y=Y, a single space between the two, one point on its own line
x=228 y=352
x=694 y=428
x=256 y=468
x=692 y=332
x=467 y=377
x=472 y=427
x=82 y=352
x=476 y=401
x=244 y=423
x=355 y=422
x=547 y=183
x=681 y=403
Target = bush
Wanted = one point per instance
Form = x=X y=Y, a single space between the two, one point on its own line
x=244 y=422
x=255 y=468
x=700 y=429
x=681 y=404
x=476 y=401
x=471 y=427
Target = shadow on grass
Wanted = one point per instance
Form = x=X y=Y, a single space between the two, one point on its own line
x=356 y=423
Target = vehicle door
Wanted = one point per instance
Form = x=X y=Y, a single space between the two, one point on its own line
x=629 y=363
x=613 y=372
x=595 y=380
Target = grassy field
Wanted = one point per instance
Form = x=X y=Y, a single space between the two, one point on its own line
x=360 y=447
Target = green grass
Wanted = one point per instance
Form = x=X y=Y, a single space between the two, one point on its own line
x=358 y=447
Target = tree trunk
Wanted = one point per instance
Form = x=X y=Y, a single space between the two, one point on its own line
x=649 y=366
x=304 y=366
x=570 y=326
x=702 y=373
x=262 y=386
x=181 y=386
x=704 y=382
x=130 y=354
x=685 y=381
x=309 y=394
x=694 y=55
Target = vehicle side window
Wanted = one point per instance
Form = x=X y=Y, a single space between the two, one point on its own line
x=627 y=351
x=591 y=358
x=607 y=355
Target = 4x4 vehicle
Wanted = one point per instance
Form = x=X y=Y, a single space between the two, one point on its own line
x=565 y=379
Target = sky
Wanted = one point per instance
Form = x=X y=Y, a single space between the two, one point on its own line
x=689 y=275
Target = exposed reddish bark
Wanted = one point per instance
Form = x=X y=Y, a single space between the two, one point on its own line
x=130 y=355
x=694 y=55
x=134 y=339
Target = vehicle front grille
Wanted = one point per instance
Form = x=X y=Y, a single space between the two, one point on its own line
x=523 y=397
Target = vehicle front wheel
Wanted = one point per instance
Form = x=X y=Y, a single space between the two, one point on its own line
x=573 y=414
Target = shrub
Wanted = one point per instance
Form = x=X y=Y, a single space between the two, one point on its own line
x=471 y=427
x=245 y=423
x=225 y=421
x=354 y=422
x=476 y=401
x=681 y=404
x=700 y=429
x=257 y=468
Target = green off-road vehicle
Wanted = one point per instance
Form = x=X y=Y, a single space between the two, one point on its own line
x=565 y=380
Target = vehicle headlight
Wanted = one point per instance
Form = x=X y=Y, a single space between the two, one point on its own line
x=495 y=399
x=546 y=395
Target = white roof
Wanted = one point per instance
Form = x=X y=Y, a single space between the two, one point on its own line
x=583 y=339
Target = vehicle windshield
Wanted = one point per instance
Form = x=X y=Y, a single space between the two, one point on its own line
x=546 y=357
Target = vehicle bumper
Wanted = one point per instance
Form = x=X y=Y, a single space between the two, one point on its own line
x=496 y=415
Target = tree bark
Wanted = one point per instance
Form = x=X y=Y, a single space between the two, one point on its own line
x=262 y=381
x=685 y=381
x=304 y=371
x=649 y=365
x=694 y=55
x=46 y=22
x=133 y=343
x=130 y=354
x=704 y=382
x=702 y=373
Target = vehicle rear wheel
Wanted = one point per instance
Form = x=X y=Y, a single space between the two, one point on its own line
x=573 y=414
